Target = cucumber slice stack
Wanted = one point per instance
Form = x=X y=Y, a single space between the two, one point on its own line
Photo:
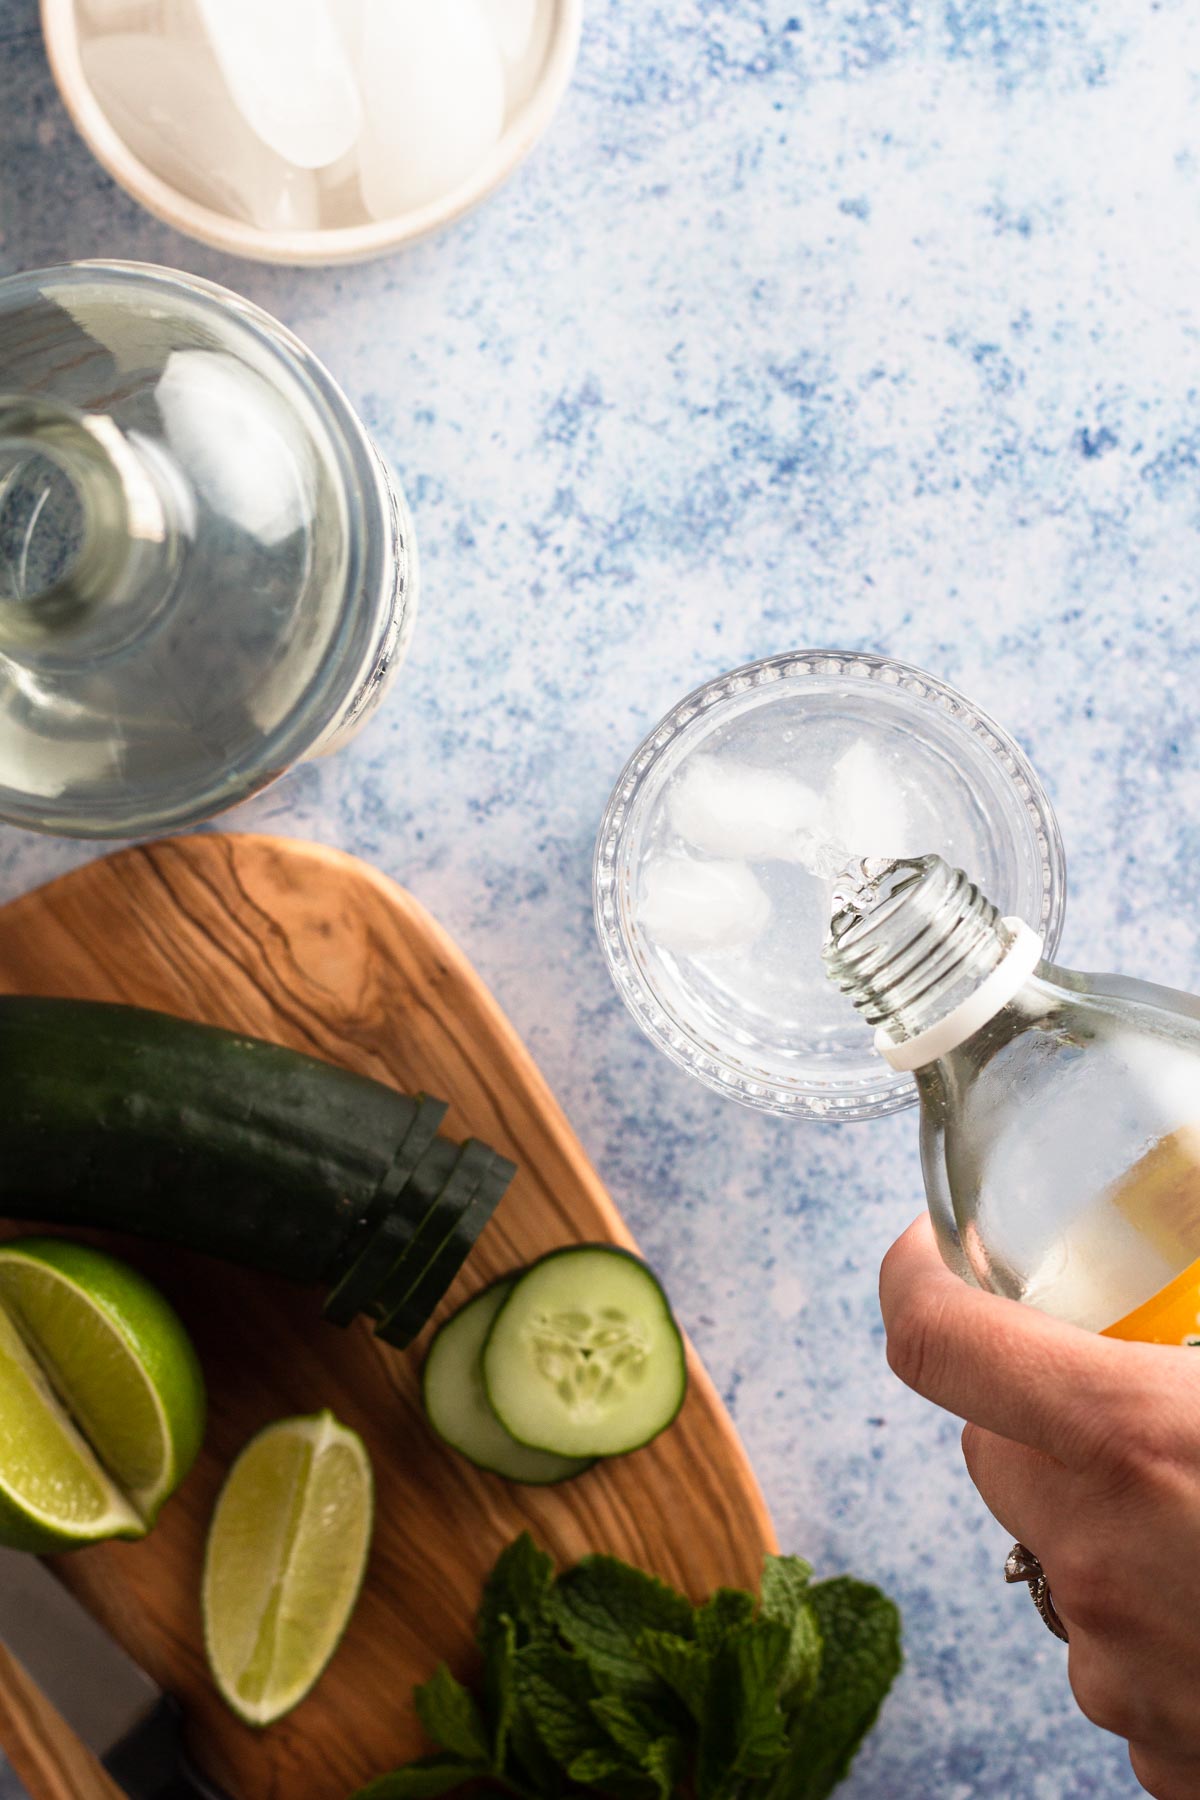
x=577 y=1357
x=424 y=1225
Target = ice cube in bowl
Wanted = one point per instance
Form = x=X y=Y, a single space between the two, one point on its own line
x=534 y=88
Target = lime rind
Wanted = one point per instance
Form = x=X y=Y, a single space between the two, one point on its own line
x=146 y=1500
x=149 y=1328
x=270 y=1628
x=134 y=1400
x=44 y=1456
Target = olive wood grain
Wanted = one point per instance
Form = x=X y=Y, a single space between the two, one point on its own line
x=311 y=948
x=50 y=1760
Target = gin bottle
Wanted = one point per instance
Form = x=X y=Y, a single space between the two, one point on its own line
x=206 y=571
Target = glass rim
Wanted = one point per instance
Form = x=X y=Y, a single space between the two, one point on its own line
x=838 y=1099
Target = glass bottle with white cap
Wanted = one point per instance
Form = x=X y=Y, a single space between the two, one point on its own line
x=1060 y=1112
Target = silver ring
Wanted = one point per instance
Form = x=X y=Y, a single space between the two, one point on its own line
x=1022 y=1565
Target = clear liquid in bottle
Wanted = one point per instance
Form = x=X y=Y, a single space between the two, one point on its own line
x=206 y=572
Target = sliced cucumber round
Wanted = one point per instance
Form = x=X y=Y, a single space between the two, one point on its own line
x=457 y=1406
x=584 y=1358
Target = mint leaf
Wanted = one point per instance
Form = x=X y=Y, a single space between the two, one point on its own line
x=529 y=1761
x=639 y=1733
x=423 y=1780
x=603 y=1606
x=785 y=1585
x=743 y=1733
x=451 y=1717
x=719 y=1618
x=499 y=1687
x=664 y=1763
x=518 y=1588
x=633 y=1729
x=802 y=1670
x=607 y=1683
x=615 y=1779
x=593 y=1768
x=556 y=1691
x=681 y=1665
x=517 y=1750
x=786 y=1599
x=656 y=1779
x=861 y=1657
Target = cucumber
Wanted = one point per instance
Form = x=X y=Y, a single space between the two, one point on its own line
x=448 y=1200
x=375 y=1252
x=584 y=1357
x=456 y=1404
x=186 y=1132
x=403 y=1323
x=134 y=1121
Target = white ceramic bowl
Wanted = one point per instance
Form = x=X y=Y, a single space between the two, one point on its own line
x=340 y=244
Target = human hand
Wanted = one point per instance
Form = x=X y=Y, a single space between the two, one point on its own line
x=1088 y=1451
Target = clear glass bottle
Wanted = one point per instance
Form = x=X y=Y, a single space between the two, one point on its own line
x=206 y=571
x=1060 y=1113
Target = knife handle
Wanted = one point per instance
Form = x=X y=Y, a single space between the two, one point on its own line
x=152 y=1764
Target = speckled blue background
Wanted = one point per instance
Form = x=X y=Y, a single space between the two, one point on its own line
x=871 y=324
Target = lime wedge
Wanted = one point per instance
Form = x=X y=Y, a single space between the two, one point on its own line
x=101 y=1397
x=287 y=1550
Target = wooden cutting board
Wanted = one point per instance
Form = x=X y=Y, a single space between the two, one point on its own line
x=312 y=948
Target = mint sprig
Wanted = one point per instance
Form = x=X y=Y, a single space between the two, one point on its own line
x=603 y=1680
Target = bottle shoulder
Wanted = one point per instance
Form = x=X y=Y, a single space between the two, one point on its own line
x=1060 y=1016
x=1103 y=992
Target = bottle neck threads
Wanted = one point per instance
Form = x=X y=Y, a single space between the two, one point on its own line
x=910 y=941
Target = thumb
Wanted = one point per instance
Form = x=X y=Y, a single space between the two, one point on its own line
x=1003 y=1365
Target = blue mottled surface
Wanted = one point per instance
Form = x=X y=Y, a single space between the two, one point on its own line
x=868 y=324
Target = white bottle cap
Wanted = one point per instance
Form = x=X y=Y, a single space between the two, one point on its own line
x=1006 y=979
